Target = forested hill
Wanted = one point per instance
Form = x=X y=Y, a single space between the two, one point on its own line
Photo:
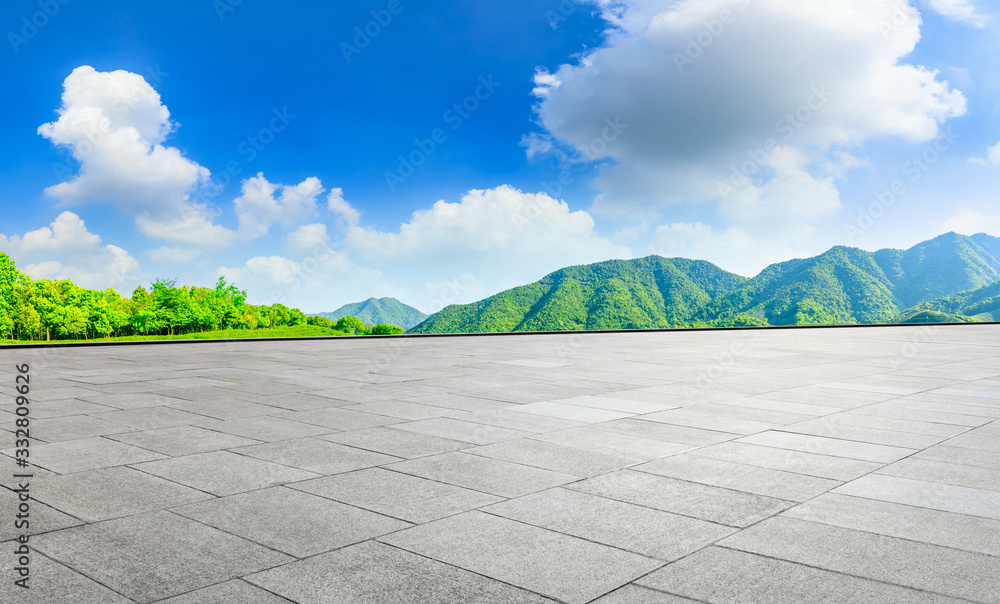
x=379 y=310
x=644 y=293
x=981 y=304
x=841 y=286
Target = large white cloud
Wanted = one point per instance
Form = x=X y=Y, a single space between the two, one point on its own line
x=114 y=124
x=67 y=250
x=702 y=86
x=502 y=236
x=262 y=203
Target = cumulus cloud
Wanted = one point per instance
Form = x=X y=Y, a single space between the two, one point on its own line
x=262 y=203
x=114 y=125
x=343 y=210
x=959 y=10
x=67 y=250
x=503 y=236
x=307 y=239
x=702 y=86
x=993 y=153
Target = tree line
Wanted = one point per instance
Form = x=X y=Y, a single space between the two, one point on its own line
x=46 y=309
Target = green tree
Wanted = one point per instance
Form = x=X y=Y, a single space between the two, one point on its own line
x=352 y=325
x=384 y=329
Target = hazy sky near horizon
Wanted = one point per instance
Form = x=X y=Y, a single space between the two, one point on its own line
x=442 y=151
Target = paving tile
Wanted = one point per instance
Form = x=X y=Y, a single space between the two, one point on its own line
x=960 y=455
x=182 y=440
x=917 y=565
x=686 y=416
x=617 y=404
x=398 y=495
x=224 y=473
x=562 y=410
x=372 y=572
x=945 y=473
x=555 y=457
x=156 y=555
x=401 y=409
x=948 y=529
x=230 y=591
x=592 y=438
x=714 y=504
x=136 y=400
x=667 y=432
x=106 y=493
x=723 y=576
x=469 y=432
x=740 y=477
x=976 y=440
x=830 y=427
x=295 y=401
x=73 y=427
x=552 y=564
x=634 y=594
x=829 y=446
x=85 y=454
x=633 y=528
x=398 y=443
x=60 y=408
x=526 y=422
x=264 y=428
x=492 y=476
x=810 y=464
x=224 y=409
x=43 y=518
x=151 y=418
x=315 y=455
x=920 y=493
x=459 y=402
x=198 y=393
x=53 y=583
x=338 y=418
x=894 y=412
x=290 y=521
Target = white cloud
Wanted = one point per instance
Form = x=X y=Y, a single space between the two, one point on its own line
x=969 y=222
x=732 y=249
x=262 y=203
x=345 y=211
x=307 y=239
x=67 y=250
x=114 y=124
x=993 y=153
x=959 y=10
x=319 y=283
x=700 y=86
x=503 y=236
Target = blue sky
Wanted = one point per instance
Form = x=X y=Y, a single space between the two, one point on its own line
x=274 y=143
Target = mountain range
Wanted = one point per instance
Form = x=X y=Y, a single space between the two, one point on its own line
x=379 y=310
x=951 y=275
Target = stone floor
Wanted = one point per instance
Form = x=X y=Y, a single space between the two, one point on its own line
x=791 y=466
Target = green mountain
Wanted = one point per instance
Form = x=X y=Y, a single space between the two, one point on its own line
x=982 y=304
x=645 y=293
x=841 y=286
x=379 y=310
